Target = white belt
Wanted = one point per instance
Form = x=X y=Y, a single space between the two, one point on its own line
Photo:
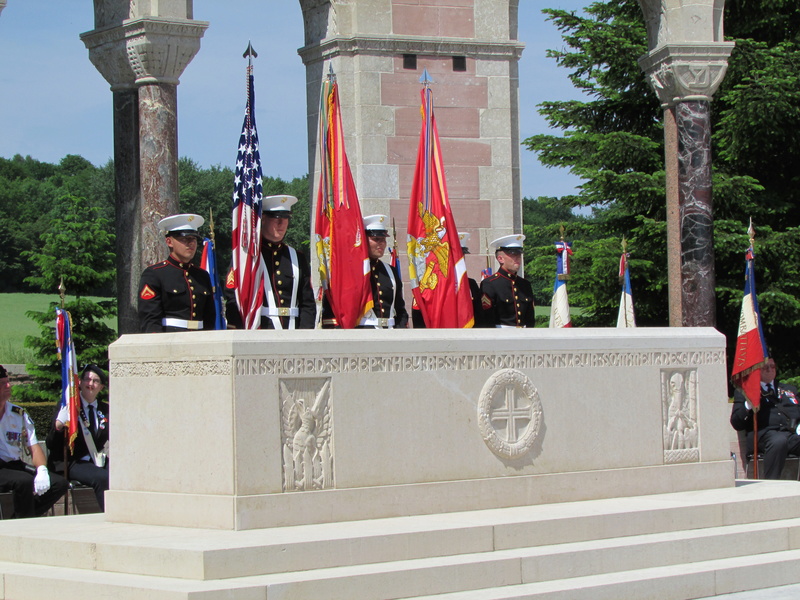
x=268 y=311
x=510 y=326
x=193 y=325
x=377 y=322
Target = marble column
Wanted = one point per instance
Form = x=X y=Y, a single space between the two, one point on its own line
x=693 y=120
x=685 y=65
x=142 y=49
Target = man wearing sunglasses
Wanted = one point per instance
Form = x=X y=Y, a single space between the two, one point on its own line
x=507 y=298
x=288 y=301
x=176 y=294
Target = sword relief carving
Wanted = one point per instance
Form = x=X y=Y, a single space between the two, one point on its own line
x=307 y=434
x=679 y=410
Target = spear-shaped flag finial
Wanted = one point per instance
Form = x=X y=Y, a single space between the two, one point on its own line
x=425 y=78
x=250 y=54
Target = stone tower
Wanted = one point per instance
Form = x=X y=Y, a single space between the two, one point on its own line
x=378 y=50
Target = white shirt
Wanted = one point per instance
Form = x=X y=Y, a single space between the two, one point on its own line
x=12 y=423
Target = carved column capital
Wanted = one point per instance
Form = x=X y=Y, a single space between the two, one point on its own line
x=686 y=71
x=144 y=51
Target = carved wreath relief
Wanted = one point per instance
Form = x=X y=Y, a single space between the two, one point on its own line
x=679 y=413
x=509 y=413
x=307 y=434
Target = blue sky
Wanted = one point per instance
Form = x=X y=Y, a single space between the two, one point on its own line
x=54 y=102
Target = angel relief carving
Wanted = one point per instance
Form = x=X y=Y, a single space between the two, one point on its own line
x=307 y=429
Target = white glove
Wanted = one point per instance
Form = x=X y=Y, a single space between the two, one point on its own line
x=797 y=431
x=63 y=414
x=747 y=405
x=41 y=483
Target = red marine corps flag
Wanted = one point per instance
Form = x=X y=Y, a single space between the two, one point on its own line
x=436 y=265
x=246 y=221
x=339 y=228
x=751 y=348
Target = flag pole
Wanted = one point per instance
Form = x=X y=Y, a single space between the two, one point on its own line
x=62 y=292
x=751 y=232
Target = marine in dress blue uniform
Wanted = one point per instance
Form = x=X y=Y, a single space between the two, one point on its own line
x=389 y=308
x=288 y=300
x=176 y=294
x=507 y=298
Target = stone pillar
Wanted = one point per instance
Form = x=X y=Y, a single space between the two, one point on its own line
x=686 y=63
x=378 y=49
x=141 y=48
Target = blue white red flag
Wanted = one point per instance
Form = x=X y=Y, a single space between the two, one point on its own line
x=559 y=308
x=487 y=272
x=246 y=218
x=626 y=316
x=208 y=262
x=70 y=394
x=751 y=347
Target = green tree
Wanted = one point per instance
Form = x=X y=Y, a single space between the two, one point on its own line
x=613 y=140
x=79 y=252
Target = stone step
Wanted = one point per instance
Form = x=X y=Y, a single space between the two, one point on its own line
x=633 y=527
x=612 y=566
x=497 y=578
x=687 y=581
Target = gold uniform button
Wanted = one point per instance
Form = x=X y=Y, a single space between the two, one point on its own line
x=277 y=272
x=279 y=282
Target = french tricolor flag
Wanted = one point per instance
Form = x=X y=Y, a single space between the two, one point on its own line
x=751 y=348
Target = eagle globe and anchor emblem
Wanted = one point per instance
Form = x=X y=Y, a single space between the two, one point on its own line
x=509 y=413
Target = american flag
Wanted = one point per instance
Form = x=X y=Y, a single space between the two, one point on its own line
x=246 y=222
x=70 y=396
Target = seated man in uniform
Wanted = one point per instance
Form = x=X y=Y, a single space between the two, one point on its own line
x=778 y=421
x=389 y=308
x=88 y=462
x=288 y=301
x=176 y=294
x=506 y=298
x=35 y=489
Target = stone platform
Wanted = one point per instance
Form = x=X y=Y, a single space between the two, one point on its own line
x=247 y=430
x=586 y=463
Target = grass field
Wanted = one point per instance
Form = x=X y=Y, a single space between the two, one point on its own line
x=15 y=325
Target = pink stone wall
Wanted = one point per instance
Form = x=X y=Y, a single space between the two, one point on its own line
x=458 y=99
x=449 y=18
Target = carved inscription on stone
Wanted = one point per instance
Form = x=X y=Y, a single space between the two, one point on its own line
x=331 y=365
x=509 y=413
x=679 y=412
x=307 y=434
x=175 y=368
